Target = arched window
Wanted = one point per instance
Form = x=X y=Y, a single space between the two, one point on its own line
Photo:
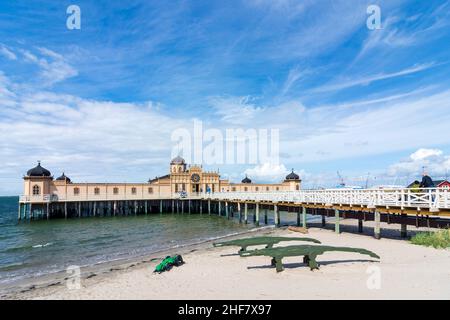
x=96 y=190
x=36 y=190
x=76 y=191
x=179 y=169
x=297 y=187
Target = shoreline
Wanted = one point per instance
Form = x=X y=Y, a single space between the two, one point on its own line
x=89 y=271
x=408 y=272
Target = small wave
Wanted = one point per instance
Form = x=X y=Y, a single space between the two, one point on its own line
x=43 y=245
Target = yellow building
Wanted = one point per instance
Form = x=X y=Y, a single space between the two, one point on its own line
x=41 y=187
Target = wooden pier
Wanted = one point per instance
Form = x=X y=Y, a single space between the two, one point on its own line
x=426 y=208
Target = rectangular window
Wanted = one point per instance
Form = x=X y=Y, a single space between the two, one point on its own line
x=76 y=191
x=245 y=189
x=116 y=190
x=267 y=188
x=233 y=189
x=257 y=189
x=97 y=191
x=133 y=191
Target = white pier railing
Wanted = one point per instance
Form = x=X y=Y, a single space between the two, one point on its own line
x=433 y=199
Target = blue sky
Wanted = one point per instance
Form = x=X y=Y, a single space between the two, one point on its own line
x=101 y=102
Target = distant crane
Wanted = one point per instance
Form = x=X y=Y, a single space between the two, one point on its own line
x=341 y=181
x=367 y=181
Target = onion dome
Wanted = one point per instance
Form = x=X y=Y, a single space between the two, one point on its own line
x=177 y=160
x=246 y=180
x=292 y=176
x=38 y=171
x=63 y=177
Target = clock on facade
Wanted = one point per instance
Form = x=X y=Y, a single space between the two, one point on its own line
x=195 y=178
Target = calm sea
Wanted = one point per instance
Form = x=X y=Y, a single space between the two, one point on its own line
x=30 y=249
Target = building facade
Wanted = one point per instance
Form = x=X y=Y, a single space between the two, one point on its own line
x=40 y=186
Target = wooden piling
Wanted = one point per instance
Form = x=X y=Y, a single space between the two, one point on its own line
x=257 y=214
x=377 y=229
x=276 y=215
x=336 y=222
x=245 y=213
x=304 y=217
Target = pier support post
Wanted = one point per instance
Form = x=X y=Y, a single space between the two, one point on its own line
x=65 y=210
x=298 y=216
x=360 y=225
x=201 y=206
x=257 y=213
x=265 y=216
x=377 y=230
x=160 y=206
x=336 y=223
x=173 y=206
x=219 y=209
x=209 y=206
x=324 y=221
x=227 y=213
x=403 y=228
x=79 y=209
x=246 y=213
x=304 y=217
x=30 y=214
x=95 y=208
x=189 y=206
x=182 y=207
x=276 y=215
x=19 y=214
x=145 y=207
x=239 y=211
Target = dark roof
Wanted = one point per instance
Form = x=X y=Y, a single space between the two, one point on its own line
x=63 y=177
x=177 y=160
x=246 y=180
x=158 y=178
x=292 y=176
x=438 y=182
x=38 y=171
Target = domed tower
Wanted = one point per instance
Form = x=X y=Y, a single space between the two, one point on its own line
x=177 y=165
x=293 y=180
x=63 y=179
x=246 y=180
x=37 y=181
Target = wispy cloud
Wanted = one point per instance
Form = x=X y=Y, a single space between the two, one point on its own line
x=364 y=81
x=7 y=53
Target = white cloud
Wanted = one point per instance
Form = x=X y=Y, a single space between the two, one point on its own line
x=7 y=53
x=434 y=161
x=423 y=154
x=53 y=66
x=343 y=83
x=267 y=172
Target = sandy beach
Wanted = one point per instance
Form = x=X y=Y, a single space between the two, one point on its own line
x=406 y=271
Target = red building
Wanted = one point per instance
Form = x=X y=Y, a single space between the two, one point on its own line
x=442 y=184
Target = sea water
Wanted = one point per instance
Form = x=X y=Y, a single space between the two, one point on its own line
x=40 y=247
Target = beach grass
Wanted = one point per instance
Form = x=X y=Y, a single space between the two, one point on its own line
x=438 y=239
